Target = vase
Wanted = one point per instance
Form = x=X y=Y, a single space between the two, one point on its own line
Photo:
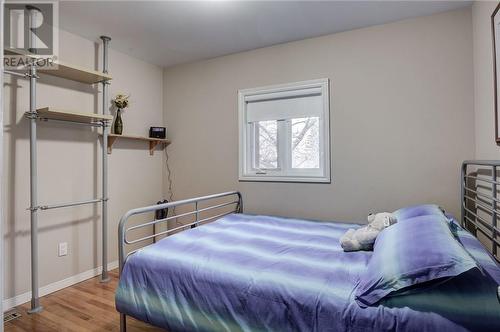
x=118 y=127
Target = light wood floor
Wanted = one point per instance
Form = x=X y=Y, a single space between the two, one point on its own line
x=87 y=306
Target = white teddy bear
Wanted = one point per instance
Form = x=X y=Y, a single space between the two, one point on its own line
x=363 y=238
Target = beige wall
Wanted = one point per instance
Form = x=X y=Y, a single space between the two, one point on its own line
x=484 y=98
x=401 y=117
x=69 y=167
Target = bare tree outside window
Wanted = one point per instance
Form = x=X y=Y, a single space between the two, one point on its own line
x=305 y=143
x=267 y=149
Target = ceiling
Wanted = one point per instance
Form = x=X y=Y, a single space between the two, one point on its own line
x=168 y=33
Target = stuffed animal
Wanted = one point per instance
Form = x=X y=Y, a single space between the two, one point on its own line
x=363 y=238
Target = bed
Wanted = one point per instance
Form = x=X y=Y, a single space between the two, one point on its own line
x=245 y=272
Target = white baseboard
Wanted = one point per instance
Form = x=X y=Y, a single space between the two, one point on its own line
x=55 y=286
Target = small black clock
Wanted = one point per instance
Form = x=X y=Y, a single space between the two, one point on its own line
x=158 y=132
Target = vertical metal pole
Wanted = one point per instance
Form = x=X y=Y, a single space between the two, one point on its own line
x=494 y=206
x=1 y=157
x=121 y=262
x=35 y=302
x=197 y=214
x=463 y=183
x=123 y=323
x=240 y=203
x=121 y=243
x=104 y=275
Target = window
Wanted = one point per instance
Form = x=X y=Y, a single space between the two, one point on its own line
x=285 y=133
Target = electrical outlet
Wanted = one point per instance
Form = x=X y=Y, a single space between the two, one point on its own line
x=63 y=249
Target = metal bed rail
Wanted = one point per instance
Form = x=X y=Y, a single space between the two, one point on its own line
x=478 y=200
x=124 y=231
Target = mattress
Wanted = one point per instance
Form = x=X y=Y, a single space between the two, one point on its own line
x=262 y=273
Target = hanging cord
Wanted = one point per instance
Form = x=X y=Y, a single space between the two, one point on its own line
x=169 y=178
x=170 y=191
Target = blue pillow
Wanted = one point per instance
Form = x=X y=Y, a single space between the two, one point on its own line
x=415 y=211
x=410 y=253
x=418 y=211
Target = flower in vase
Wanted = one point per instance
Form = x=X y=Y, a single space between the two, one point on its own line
x=121 y=101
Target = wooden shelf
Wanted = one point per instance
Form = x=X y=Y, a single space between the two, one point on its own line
x=153 y=142
x=71 y=116
x=67 y=71
x=75 y=73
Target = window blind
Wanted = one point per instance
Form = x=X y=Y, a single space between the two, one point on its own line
x=292 y=107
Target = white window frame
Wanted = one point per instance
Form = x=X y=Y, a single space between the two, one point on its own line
x=246 y=135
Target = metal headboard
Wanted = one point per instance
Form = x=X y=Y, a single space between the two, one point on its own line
x=236 y=205
x=479 y=202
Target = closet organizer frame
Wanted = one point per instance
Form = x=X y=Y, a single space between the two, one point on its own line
x=78 y=74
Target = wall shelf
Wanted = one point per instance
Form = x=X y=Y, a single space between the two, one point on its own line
x=65 y=70
x=29 y=68
x=153 y=142
x=49 y=113
x=75 y=73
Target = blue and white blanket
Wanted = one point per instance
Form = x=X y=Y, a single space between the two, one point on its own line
x=261 y=273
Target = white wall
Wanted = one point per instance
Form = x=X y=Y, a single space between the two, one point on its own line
x=69 y=167
x=401 y=116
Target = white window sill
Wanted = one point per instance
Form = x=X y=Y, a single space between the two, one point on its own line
x=274 y=178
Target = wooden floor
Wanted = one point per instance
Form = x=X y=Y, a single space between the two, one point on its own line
x=87 y=306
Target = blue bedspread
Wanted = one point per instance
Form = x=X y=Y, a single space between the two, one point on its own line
x=260 y=273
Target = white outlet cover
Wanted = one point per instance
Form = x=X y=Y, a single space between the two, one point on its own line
x=63 y=249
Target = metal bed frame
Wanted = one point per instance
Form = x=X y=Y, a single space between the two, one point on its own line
x=472 y=208
x=236 y=205
x=478 y=200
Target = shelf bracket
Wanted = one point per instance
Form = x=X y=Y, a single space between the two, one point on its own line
x=153 y=142
x=152 y=146
x=111 y=141
x=30 y=115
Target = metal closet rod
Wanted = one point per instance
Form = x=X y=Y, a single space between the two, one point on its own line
x=68 y=204
x=90 y=124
